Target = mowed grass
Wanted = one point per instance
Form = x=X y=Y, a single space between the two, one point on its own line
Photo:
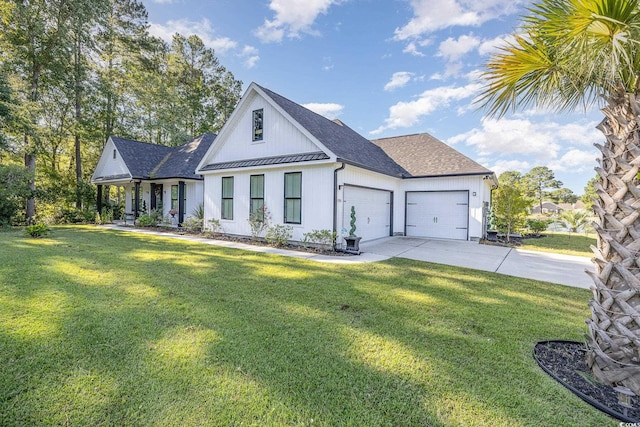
x=563 y=243
x=101 y=327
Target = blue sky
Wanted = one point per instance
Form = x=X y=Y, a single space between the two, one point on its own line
x=389 y=67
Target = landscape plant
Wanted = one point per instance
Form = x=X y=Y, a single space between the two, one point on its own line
x=259 y=221
x=537 y=226
x=571 y=54
x=39 y=229
x=278 y=235
x=325 y=239
x=575 y=220
x=352 y=223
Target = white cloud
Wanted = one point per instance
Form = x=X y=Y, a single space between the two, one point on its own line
x=202 y=29
x=398 y=80
x=412 y=49
x=433 y=15
x=452 y=50
x=501 y=166
x=489 y=47
x=250 y=56
x=328 y=110
x=575 y=161
x=292 y=17
x=542 y=142
x=407 y=114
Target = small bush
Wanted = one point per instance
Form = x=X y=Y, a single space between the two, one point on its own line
x=192 y=225
x=279 y=235
x=146 y=221
x=326 y=239
x=214 y=226
x=259 y=222
x=37 y=230
x=538 y=225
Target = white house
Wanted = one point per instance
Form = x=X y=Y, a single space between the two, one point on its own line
x=153 y=176
x=309 y=171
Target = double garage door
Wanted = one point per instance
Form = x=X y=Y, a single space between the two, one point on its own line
x=438 y=214
x=373 y=211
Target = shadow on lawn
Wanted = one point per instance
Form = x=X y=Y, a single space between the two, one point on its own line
x=150 y=330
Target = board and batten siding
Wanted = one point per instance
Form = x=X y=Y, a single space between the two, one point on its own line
x=281 y=137
x=107 y=165
x=472 y=184
x=352 y=175
x=317 y=198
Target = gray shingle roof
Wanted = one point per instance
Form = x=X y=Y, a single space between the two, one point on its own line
x=347 y=144
x=153 y=161
x=293 y=158
x=423 y=155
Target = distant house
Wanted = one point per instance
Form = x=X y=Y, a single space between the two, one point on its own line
x=571 y=206
x=308 y=172
x=547 y=207
x=153 y=176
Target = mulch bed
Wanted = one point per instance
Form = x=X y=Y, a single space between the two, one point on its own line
x=565 y=362
x=248 y=240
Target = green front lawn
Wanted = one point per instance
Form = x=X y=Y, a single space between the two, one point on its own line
x=562 y=242
x=100 y=327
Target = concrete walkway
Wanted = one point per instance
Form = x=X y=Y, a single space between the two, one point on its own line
x=554 y=268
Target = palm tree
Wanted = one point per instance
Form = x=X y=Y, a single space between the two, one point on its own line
x=574 y=220
x=577 y=53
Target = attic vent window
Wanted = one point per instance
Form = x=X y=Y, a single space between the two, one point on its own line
x=114 y=154
x=257 y=125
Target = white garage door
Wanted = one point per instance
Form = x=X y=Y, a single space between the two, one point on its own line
x=438 y=214
x=373 y=211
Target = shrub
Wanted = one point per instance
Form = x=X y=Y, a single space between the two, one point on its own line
x=37 y=230
x=192 y=225
x=259 y=222
x=326 y=239
x=214 y=226
x=146 y=221
x=538 y=225
x=279 y=235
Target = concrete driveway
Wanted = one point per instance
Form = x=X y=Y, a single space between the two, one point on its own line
x=555 y=268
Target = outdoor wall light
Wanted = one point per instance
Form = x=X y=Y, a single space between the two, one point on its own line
x=474 y=193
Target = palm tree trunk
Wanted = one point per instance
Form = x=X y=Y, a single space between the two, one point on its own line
x=614 y=327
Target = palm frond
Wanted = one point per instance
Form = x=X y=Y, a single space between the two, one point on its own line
x=572 y=52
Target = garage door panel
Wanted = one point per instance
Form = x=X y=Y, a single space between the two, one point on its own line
x=373 y=211
x=438 y=214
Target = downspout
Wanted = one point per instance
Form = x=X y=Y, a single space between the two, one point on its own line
x=335 y=203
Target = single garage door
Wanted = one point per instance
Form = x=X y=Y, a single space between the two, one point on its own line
x=373 y=211
x=438 y=214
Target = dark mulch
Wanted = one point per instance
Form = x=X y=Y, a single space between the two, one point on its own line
x=565 y=361
x=248 y=240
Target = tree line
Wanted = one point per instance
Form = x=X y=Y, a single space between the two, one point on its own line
x=73 y=73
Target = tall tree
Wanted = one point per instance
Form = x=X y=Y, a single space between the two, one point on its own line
x=577 y=53
x=538 y=181
x=5 y=101
x=33 y=34
x=563 y=195
x=509 y=205
x=590 y=195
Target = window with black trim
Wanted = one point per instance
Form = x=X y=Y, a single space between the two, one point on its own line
x=293 y=198
x=227 y=197
x=174 y=197
x=256 y=194
x=258 y=116
x=114 y=154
